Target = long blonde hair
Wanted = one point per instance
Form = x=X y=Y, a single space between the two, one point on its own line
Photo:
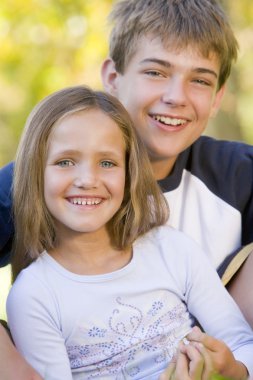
x=143 y=206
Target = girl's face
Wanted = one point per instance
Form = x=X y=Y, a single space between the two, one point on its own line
x=84 y=177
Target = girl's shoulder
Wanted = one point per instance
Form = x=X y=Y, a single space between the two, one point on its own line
x=168 y=233
x=168 y=239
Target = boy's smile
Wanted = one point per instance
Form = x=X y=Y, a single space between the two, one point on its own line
x=85 y=172
x=170 y=95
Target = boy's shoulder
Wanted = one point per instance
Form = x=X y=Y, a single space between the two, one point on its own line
x=204 y=144
x=211 y=157
x=6 y=175
x=6 y=223
x=224 y=167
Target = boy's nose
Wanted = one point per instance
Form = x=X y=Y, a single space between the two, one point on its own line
x=174 y=93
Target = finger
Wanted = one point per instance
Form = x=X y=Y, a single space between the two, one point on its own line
x=195 y=334
x=196 y=361
x=209 y=368
x=212 y=344
x=181 y=371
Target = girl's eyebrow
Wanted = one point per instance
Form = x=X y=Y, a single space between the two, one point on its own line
x=67 y=152
x=73 y=152
x=167 y=64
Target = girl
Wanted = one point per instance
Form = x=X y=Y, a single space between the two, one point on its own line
x=100 y=289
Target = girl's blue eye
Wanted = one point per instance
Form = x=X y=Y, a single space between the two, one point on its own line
x=65 y=163
x=107 y=164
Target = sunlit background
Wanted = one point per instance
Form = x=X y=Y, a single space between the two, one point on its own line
x=44 y=46
x=49 y=44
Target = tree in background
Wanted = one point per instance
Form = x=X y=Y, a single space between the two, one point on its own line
x=50 y=44
x=235 y=119
x=45 y=45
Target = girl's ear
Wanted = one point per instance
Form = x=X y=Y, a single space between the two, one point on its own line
x=109 y=76
x=217 y=101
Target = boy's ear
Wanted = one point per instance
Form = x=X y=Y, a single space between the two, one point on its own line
x=109 y=76
x=217 y=101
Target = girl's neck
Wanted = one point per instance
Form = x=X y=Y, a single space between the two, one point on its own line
x=89 y=255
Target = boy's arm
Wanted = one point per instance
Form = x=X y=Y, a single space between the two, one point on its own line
x=6 y=221
x=241 y=289
x=11 y=362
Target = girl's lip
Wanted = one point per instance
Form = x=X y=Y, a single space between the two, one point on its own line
x=85 y=200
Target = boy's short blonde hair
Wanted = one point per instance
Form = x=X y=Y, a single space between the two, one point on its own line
x=179 y=23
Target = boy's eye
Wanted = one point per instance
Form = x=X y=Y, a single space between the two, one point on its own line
x=202 y=82
x=107 y=164
x=65 y=163
x=154 y=73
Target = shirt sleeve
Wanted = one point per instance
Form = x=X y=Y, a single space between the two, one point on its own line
x=244 y=187
x=6 y=220
x=35 y=325
x=226 y=167
x=218 y=314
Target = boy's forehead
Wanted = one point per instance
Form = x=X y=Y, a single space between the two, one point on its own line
x=152 y=46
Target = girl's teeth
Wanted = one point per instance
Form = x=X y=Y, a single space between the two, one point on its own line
x=84 y=202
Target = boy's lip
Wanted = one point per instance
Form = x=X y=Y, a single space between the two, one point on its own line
x=170 y=120
x=169 y=123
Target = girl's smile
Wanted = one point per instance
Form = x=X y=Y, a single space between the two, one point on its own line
x=85 y=172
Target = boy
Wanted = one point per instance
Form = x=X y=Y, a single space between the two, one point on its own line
x=169 y=61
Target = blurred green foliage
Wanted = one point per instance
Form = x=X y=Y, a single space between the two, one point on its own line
x=50 y=44
x=45 y=45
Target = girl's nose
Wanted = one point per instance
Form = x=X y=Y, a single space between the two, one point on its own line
x=85 y=178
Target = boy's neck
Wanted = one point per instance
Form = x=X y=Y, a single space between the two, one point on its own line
x=162 y=168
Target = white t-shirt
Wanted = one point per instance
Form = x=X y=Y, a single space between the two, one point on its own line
x=125 y=324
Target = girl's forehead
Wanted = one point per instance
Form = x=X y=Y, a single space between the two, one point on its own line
x=85 y=117
x=85 y=128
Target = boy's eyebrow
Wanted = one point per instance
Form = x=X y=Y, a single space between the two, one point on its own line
x=158 y=61
x=167 y=64
x=203 y=70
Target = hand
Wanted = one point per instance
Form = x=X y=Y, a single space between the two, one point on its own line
x=11 y=362
x=218 y=356
x=189 y=364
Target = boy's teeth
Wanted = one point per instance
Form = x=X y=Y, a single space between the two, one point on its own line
x=85 y=201
x=169 y=120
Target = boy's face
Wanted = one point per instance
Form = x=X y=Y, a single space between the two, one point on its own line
x=170 y=95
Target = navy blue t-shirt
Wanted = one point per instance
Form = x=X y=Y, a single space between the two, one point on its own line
x=6 y=221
